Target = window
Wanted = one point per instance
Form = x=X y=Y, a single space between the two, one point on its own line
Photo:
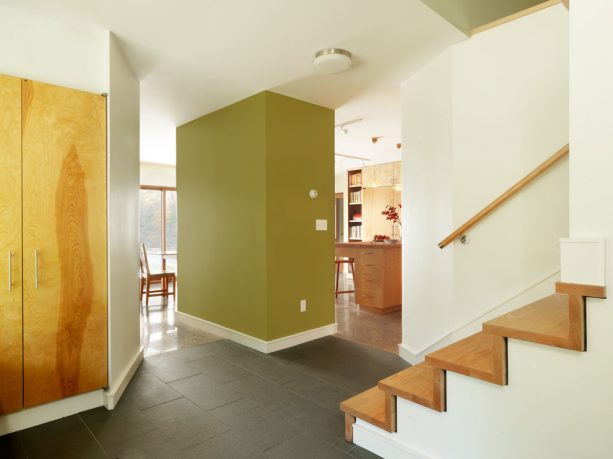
x=158 y=222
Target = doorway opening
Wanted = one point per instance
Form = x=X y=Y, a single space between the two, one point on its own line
x=371 y=238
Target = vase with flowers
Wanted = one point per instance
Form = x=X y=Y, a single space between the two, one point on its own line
x=391 y=214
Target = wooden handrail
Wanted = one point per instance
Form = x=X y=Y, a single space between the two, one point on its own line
x=540 y=170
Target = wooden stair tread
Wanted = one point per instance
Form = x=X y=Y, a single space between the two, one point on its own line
x=481 y=356
x=422 y=384
x=547 y=321
x=547 y=317
x=368 y=406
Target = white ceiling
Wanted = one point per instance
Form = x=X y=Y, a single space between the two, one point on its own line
x=196 y=56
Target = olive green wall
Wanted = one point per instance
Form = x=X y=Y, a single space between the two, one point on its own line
x=248 y=249
x=221 y=192
x=468 y=14
x=299 y=157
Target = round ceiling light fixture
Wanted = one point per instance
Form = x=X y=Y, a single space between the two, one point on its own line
x=332 y=60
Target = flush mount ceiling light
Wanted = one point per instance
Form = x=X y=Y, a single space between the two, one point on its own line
x=332 y=60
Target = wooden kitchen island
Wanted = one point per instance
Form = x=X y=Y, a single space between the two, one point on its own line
x=378 y=274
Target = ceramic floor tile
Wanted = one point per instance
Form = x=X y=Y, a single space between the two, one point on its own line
x=122 y=423
x=324 y=423
x=223 y=446
x=11 y=447
x=263 y=392
x=146 y=390
x=205 y=392
x=361 y=453
x=319 y=391
x=306 y=446
x=152 y=445
x=218 y=369
x=168 y=368
x=65 y=438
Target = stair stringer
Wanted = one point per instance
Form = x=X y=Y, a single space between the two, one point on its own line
x=557 y=405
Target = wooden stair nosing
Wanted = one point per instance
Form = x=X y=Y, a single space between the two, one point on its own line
x=556 y=320
x=372 y=406
x=421 y=384
x=592 y=291
x=481 y=356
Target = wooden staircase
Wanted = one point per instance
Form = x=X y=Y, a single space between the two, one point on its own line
x=557 y=320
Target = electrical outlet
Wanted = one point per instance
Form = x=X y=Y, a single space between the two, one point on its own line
x=302 y=305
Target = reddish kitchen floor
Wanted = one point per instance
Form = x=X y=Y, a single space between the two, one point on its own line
x=381 y=331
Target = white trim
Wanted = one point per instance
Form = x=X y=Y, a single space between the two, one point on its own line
x=251 y=341
x=383 y=443
x=527 y=295
x=113 y=394
x=300 y=338
x=37 y=415
x=583 y=260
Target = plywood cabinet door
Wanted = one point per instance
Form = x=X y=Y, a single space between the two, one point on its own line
x=368 y=176
x=397 y=173
x=385 y=174
x=64 y=242
x=375 y=200
x=11 y=398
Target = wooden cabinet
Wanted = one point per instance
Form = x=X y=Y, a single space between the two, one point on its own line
x=378 y=274
x=375 y=200
x=11 y=370
x=381 y=175
x=368 y=176
x=62 y=188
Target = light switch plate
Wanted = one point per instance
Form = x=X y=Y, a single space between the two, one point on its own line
x=302 y=305
x=321 y=225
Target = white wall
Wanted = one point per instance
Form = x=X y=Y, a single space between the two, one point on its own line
x=476 y=120
x=427 y=202
x=158 y=174
x=37 y=48
x=124 y=269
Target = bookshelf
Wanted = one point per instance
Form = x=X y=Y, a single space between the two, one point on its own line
x=354 y=204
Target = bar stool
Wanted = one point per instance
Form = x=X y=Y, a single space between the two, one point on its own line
x=340 y=261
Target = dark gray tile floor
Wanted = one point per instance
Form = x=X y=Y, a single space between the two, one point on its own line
x=221 y=400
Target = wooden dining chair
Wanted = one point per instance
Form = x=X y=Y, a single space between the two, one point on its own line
x=164 y=278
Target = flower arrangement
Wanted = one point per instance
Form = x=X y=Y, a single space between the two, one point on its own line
x=391 y=213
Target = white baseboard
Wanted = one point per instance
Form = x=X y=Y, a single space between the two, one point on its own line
x=250 y=341
x=37 y=415
x=299 y=338
x=383 y=443
x=114 y=393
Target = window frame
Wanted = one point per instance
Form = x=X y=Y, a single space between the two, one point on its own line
x=162 y=190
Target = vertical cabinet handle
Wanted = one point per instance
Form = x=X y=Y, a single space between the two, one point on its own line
x=36 y=268
x=10 y=270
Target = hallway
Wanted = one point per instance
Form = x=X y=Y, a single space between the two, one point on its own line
x=198 y=396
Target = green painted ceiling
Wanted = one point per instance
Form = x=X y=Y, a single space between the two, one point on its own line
x=468 y=14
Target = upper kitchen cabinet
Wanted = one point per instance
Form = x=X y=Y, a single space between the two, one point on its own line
x=387 y=174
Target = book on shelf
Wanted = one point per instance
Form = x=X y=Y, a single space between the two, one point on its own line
x=355 y=179
x=355 y=197
x=355 y=232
